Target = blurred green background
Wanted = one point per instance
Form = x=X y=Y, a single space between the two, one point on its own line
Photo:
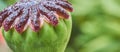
x=96 y=25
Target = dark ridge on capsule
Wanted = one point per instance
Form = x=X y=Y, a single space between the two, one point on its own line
x=35 y=22
x=53 y=7
x=22 y=21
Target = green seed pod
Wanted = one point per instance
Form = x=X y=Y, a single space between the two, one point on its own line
x=48 y=39
x=43 y=26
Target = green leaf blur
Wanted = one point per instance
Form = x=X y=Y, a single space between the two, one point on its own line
x=96 y=26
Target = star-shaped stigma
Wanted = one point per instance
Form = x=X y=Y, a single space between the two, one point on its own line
x=34 y=13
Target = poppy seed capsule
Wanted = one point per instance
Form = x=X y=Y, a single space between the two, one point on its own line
x=37 y=26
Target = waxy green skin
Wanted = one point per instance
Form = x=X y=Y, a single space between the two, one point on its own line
x=48 y=39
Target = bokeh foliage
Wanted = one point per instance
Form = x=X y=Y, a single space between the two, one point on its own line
x=96 y=26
